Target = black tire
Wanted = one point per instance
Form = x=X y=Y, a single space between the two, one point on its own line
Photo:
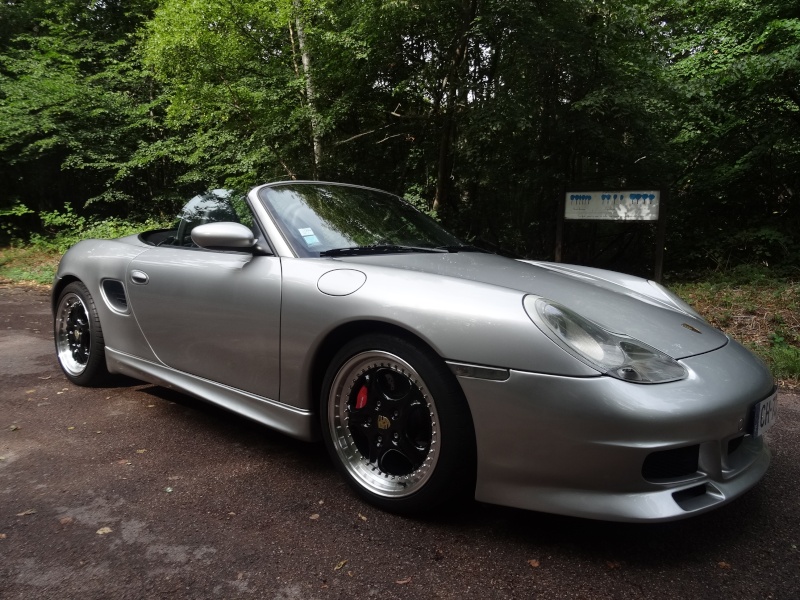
x=397 y=425
x=80 y=346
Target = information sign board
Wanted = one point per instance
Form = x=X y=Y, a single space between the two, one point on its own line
x=625 y=205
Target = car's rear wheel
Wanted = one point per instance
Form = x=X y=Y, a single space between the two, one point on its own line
x=397 y=425
x=79 y=338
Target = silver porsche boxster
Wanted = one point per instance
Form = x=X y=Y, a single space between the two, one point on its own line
x=431 y=369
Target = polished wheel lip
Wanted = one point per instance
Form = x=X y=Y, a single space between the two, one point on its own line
x=367 y=474
x=73 y=334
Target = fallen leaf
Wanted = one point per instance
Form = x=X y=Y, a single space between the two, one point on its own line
x=30 y=391
x=403 y=581
x=150 y=405
x=141 y=451
x=314 y=517
x=98 y=432
x=349 y=573
x=65 y=520
x=362 y=517
x=70 y=428
x=25 y=513
x=14 y=428
x=723 y=565
x=168 y=490
x=341 y=564
x=534 y=563
x=231 y=514
x=104 y=530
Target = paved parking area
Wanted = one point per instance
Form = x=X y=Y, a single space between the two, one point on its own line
x=138 y=492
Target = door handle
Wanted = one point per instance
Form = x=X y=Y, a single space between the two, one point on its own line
x=139 y=277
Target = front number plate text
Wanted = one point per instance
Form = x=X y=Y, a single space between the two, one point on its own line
x=764 y=415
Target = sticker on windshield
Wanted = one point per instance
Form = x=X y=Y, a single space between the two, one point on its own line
x=308 y=236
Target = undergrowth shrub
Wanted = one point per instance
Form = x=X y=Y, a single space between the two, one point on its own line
x=66 y=228
x=36 y=259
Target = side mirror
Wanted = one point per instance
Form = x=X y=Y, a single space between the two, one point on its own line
x=225 y=235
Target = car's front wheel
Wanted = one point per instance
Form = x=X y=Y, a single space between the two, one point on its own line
x=79 y=339
x=397 y=425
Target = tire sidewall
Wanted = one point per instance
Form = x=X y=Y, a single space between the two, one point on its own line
x=95 y=373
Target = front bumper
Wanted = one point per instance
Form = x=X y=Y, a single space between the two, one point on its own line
x=578 y=446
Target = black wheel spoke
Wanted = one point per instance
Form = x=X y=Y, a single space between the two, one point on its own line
x=358 y=418
x=377 y=447
x=393 y=423
x=415 y=454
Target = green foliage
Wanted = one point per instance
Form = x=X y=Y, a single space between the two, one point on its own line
x=233 y=89
x=784 y=361
x=76 y=107
x=414 y=196
x=66 y=228
x=735 y=68
x=756 y=307
x=9 y=226
x=28 y=265
x=481 y=110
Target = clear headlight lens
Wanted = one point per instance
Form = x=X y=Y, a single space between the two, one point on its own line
x=610 y=353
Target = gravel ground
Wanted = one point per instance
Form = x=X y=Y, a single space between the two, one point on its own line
x=137 y=492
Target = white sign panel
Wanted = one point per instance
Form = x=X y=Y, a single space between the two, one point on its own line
x=613 y=206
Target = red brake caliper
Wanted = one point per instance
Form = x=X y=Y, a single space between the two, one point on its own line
x=361 y=400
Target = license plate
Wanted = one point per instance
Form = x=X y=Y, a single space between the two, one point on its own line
x=764 y=415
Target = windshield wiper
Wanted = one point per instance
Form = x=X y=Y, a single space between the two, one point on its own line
x=378 y=249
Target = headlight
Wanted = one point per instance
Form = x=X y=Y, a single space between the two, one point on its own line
x=610 y=353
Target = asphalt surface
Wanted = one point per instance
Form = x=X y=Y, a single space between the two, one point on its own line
x=138 y=492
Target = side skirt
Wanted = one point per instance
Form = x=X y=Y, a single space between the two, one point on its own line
x=287 y=419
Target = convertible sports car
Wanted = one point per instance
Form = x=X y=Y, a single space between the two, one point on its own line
x=431 y=369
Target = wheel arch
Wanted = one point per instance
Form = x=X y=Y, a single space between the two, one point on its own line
x=345 y=332
x=58 y=287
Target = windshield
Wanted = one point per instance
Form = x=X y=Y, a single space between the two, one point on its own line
x=320 y=219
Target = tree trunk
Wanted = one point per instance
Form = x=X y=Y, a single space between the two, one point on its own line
x=449 y=89
x=310 y=95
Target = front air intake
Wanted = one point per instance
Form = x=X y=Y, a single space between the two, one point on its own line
x=671 y=464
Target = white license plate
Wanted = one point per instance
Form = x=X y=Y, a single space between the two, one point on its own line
x=765 y=414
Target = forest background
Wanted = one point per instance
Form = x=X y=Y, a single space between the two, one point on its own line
x=480 y=112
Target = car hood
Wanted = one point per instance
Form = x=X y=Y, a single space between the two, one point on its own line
x=619 y=303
